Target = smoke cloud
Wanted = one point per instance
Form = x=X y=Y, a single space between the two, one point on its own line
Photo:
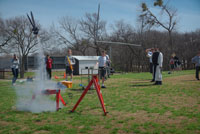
x=26 y=91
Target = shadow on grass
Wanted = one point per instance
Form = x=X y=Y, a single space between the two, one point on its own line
x=76 y=89
x=141 y=85
x=145 y=81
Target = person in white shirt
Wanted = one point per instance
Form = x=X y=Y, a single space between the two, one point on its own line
x=102 y=61
x=150 y=52
x=15 y=67
x=108 y=66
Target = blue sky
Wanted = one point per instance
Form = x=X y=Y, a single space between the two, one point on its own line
x=50 y=11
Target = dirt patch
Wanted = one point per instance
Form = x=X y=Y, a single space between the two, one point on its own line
x=40 y=122
x=99 y=130
x=4 y=123
x=142 y=117
x=42 y=132
x=181 y=79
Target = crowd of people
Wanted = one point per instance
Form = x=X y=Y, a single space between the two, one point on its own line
x=174 y=64
x=155 y=59
x=103 y=66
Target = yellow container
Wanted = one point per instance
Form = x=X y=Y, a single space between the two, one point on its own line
x=68 y=84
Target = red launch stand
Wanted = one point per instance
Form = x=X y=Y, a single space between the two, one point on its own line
x=53 y=91
x=97 y=87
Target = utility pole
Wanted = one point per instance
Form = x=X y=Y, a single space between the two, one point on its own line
x=97 y=26
x=96 y=31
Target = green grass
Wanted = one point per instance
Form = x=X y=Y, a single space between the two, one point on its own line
x=133 y=103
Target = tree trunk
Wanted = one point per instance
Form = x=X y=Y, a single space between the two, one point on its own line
x=170 y=42
x=22 y=66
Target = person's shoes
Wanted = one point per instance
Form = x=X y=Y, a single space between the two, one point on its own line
x=152 y=80
x=156 y=83
x=103 y=86
x=197 y=78
x=160 y=83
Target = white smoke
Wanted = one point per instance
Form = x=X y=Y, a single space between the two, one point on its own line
x=26 y=91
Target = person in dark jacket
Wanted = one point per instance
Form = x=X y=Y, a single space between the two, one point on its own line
x=196 y=61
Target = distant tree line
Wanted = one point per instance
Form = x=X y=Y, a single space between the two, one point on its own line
x=82 y=37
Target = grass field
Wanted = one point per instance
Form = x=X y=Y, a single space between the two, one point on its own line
x=133 y=103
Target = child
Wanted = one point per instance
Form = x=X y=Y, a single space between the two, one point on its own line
x=172 y=66
x=102 y=61
x=70 y=61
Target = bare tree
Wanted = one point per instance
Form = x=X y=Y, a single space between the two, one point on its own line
x=152 y=19
x=4 y=39
x=69 y=34
x=83 y=34
x=94 y=30
x=23 y=41
x=123 y=32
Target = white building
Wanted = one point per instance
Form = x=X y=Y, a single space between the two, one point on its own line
x=85 y=62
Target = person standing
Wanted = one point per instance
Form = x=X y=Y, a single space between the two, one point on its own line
x=157 y=62
x=171 y=64
x=69 y=62
x=150 y=52
x=108 y=65
x=102 y=61
x=196 y=60
x=177 y=63
x=15 y=68
x=49 y=63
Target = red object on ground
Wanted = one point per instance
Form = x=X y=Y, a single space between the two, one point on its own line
x=97 y=87
x=53 y=91
x=64 y=75
x=56 y=77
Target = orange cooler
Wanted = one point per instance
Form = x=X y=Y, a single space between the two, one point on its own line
x=68 y=84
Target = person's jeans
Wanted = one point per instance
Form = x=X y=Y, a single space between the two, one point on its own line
x=15 y=75
x=197 y=72
x=48 y=73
